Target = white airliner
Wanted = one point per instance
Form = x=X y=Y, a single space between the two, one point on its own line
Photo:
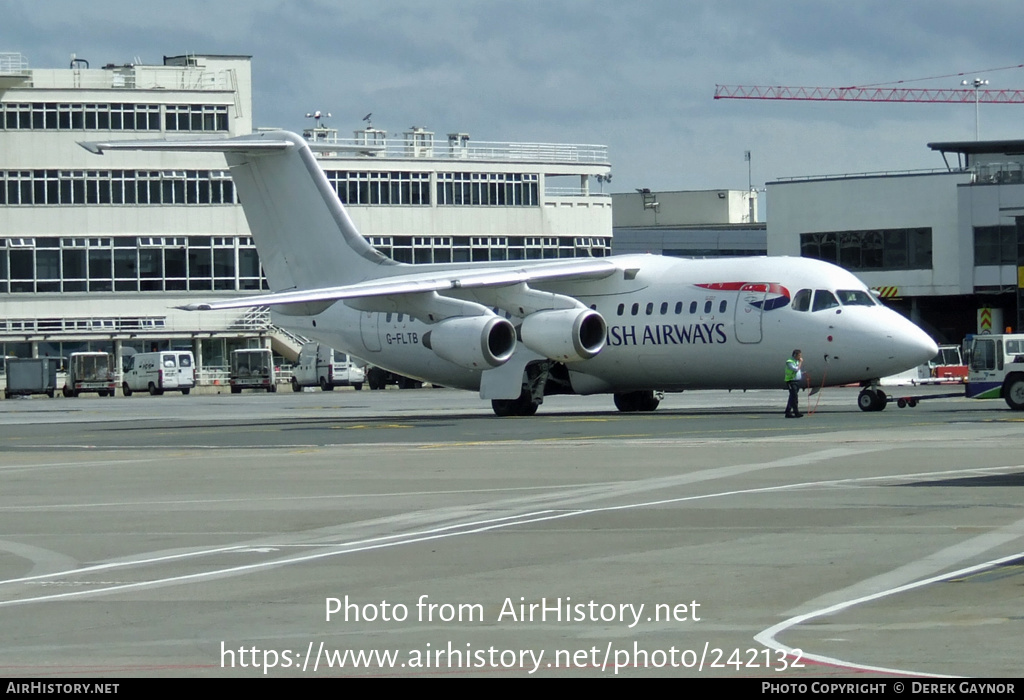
x=632 y=326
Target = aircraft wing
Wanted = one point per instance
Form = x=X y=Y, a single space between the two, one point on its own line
x=419 y=283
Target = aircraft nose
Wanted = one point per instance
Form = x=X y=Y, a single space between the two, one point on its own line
x=912 y=346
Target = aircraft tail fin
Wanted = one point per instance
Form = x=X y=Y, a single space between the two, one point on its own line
x=305 y=237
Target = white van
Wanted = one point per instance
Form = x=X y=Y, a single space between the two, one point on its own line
x=320 y=365
x=155 y=372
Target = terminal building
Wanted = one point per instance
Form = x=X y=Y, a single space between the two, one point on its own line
x=943 y=246
x=95 y=253
x=691 y=224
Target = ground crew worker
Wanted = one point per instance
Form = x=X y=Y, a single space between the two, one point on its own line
x=794 y=373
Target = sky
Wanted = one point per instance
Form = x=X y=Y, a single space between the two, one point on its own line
x=636 y=76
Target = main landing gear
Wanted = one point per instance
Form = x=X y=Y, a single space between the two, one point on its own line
x=872 y=399
x=633 y=401
x=523 y=406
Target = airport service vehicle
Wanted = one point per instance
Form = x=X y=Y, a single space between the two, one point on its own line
x=157 y=372
x=996 y=370
x=516 y=331
x=252 y=368
x=90 y=371
x=947 y=367
x=323 y=366
x=31 y=375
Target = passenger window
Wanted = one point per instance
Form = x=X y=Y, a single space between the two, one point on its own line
x=721 y=307
x=707 y=307
x=693 y=307
x=184 y=361
x=401 y=317
x=664 y=308
x=679 y=307
x=635 y=310
x=824 y=299
x=650 y=308
x=622 y=308
x=802 y=300
x=169 y=362
x=387 y=318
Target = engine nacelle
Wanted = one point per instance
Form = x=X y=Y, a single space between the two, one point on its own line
x=474 y=342
x=566 y=335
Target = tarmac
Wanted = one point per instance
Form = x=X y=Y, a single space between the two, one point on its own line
x=413 y=533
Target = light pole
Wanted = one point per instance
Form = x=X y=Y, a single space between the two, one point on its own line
x=977 y=83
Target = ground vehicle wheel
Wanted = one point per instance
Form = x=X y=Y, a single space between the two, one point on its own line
x=325 y=385
x=67 y=392
x=295 y=385
x=272 y=388
x=358 y=386
x=125 y=389
x=153 y=391
x=867 y=400
x=50 y=393
x=184 y=392
x=1013 y=393
x=236 y=390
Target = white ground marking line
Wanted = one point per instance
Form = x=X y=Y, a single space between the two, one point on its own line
x=767 y=637
x=476 y=527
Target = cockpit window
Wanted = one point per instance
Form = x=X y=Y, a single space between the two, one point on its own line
x=802 y=300
x=824 y=299
x=855 y=297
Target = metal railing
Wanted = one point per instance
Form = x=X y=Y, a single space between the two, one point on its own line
x=13 y=63
x=474 y=150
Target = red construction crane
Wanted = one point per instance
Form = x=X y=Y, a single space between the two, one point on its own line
x=881 y=92
x=866 y=94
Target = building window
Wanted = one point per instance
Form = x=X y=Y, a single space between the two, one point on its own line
x=72 y=187
x=380 y=187
x=880 y=249
x=129 y=264
x=488 y=189
x=196 y=118
x=995 y=245
x=54 y=116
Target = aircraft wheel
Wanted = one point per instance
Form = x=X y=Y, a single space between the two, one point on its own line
x=883 y=400
x=1013 y=393
x=626 y=402
x=295 y=385
x=126 y=390
x=648 y=401
x=523 y=406
x=867 y=400
x=502 y=407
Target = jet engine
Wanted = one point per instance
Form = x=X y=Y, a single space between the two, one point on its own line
x=474 y=342
x=566 y=335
